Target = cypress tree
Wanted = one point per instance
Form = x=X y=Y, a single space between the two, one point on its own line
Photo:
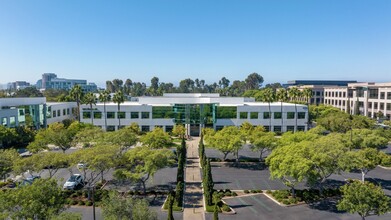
x=170 y=205
x=179 y=194
x=208 y=184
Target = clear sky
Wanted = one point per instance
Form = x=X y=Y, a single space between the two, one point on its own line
x=177 y=39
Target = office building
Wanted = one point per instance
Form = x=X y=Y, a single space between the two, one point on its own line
x=196 y=111
x=50 y=81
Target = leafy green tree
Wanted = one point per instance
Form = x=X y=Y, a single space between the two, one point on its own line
x=228 y=140
x=364 y=198
x=246 y=129
x=179 y=131
x=28 y=92
x=262 y=142
x=89 y=136
x=141 y=163
x=104 y=97
x=77 y=93
x=289 y=138
x=125 y=138
x=156 y=139
x=119 y=98
x=116 y=206
x=364 y=160
x=29 y=202
x=60 y=136
x=216 y=209
x=51 y=161
x=90 y=99
x=170 y=201
x=253 y=81
x=7 y=158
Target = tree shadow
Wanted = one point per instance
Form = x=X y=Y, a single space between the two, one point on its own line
x=385 y=184
x=240 y=206
x=247 y=166
x=329 y=205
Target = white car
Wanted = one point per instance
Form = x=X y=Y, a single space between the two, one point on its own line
x=74 y=181
x=81 y=166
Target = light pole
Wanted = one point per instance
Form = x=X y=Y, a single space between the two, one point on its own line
x=92 y=199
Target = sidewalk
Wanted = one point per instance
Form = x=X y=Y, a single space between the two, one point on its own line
x=194 y=209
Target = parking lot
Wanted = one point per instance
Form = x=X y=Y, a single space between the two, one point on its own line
x=260 y=207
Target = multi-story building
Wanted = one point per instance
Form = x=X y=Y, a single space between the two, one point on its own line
x=18 y=85
x=196 y=111
x=317 y=87
x=369 y=99
x=21 y=111
x=50 y=81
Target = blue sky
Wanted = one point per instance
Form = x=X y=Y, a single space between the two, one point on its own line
x=177 y=39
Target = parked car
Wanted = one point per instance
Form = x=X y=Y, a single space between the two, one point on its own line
x=76 y=180
x=28 y=181
x=81 y=166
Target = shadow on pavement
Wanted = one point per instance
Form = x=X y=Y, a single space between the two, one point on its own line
x=329 y=205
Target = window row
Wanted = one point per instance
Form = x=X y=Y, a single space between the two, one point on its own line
x=57 y=113
x=111 y=115
x=266 y=115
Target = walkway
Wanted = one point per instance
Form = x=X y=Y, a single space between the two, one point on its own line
x=194 y=209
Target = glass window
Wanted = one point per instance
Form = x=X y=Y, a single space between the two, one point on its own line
x=64 y=112
x=267 y=128
x=98 y=115
x=218 y=128
x=266 y=115
x=21 y=112
x=54 y=114
x=86 y=114
x=110 y=128
x=277 y=115
x=300 y=128
x=381 y=106
x=243 y=115
x=388 y=106
x=169 y=128
x=277 y=128
x=254 y=115
x=58 y=113
x=290 y=115
x=145 y=128
x=225 y=112
x=12 y=121
x=4 y=121
x=120 y=114
x=133 y=114
x=382 y=95
x=144 y=115
x=389 y=95
x=110 y=115
x=67 y=111
x=290 y=128
x=301 y=115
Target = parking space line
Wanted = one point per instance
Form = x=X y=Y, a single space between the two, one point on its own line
x=251 y=208
x=237 y=184
x=252 y=184
x=261 y=203
x=266 y=183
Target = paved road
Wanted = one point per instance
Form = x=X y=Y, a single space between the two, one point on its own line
x=259 y=207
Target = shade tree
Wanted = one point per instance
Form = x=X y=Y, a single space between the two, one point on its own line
x=156 y=139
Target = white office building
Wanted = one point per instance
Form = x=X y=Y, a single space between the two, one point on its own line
x=21 y=111
x=196 y=111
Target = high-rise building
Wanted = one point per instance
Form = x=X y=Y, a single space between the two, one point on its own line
x=51 y=81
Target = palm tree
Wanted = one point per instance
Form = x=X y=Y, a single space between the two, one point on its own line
x=282 y=96
x=307 y=94
x=76 y=93
x=90 y=99
x=267 y=95
x=104 y=97
x=294 y=93
x=119 y=98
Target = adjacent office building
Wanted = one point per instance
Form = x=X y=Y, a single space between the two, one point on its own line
x=369 y=99
x=50 y=81
x=34 y=111
x=18 y=85
x=196 y=111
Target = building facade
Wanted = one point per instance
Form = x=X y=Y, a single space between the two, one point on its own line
x=369 y=99
x=18 y=85
x=196 y=111
x=34 y=112
x=50 y=81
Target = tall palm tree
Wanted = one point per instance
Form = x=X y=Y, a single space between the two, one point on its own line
x=267 y=95
x=119 y=98
x=76 y=93
x=307 y=94
x=294 y=93
x=104 y=97
x=282 y=96
x=90 y=99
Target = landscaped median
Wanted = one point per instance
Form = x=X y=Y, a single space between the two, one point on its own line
x=286 y=198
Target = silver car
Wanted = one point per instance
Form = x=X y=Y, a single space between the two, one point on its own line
x=74 y=181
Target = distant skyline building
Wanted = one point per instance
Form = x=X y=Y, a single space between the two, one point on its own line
x=51 y=81
x=18 y=85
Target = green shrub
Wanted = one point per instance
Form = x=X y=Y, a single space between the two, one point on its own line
x=73 y=202
x=253 y=191
x=234 y=194
x=225 y=208
x=74 y=195
x=81 y=203
x=79 y=193
x=2 y=184
x=285 y=202
x=227 y=190
x=88 y=203
x=292 y=201
x=259 y=191
x=227 y=194
x=281 y=194
x=269 y=191
x=246 y=191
